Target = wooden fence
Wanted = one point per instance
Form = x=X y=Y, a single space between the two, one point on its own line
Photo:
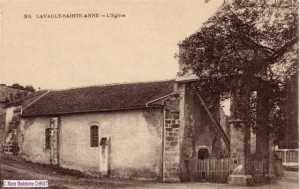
x=287 y=155
x=258 y=168
x=213 y=170
x=218 y=170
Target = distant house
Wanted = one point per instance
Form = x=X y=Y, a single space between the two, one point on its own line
x=145 y=130
x=9 y=97
x=12 y=117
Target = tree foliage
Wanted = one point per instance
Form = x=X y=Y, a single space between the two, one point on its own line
x=251 y=41
x=28 y=88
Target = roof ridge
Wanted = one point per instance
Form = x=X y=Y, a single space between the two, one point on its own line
x=114 y=84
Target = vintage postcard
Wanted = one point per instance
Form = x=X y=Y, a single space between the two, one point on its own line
x=149 y=94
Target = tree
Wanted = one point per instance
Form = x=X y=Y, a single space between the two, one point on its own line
x=28 y=88
x=248 y=40
x=247 y=45
x=17 y=86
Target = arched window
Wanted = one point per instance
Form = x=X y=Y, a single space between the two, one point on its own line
x=94 y=136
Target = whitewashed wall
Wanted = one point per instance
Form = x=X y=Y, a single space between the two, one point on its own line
x=135 y=142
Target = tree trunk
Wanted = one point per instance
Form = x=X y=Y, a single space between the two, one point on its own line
x=262 y=132
x=241 y=111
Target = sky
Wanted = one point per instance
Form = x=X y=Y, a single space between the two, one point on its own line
x=64 y=53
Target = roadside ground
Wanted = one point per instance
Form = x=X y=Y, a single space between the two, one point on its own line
x=64 y=179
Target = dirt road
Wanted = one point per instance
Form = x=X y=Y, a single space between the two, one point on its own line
x=59 y=179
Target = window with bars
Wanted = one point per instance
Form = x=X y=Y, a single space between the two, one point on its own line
x=47 y=138
x=94 y=136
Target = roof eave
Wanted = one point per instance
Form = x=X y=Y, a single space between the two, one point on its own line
x=156 y=106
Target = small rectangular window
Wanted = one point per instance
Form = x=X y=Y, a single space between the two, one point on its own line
x=47 y=138
x=94 y=136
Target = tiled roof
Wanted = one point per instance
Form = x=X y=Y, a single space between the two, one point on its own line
x=30 y=99
x=99 y=98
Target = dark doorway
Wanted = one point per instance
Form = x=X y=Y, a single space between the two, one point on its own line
x=203 y=153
